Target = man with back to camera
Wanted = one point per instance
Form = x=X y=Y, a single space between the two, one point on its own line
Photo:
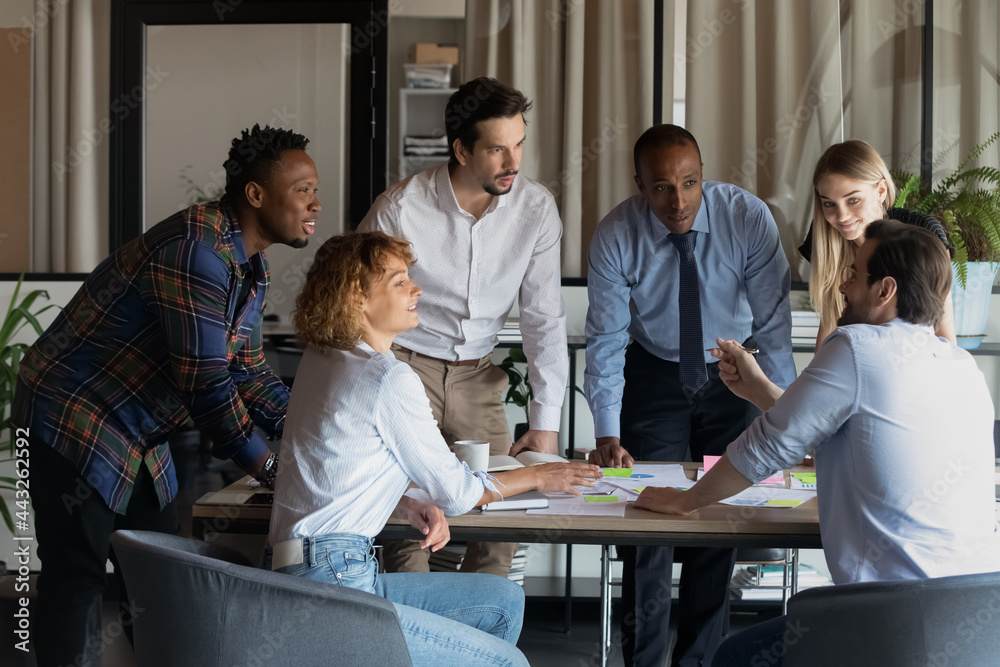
x=483 y=236
x=166 y=328
x=877 y=405
x=672 y=267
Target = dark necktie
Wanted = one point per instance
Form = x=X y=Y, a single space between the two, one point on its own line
x=692 y=361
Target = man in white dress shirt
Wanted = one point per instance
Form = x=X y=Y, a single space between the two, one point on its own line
x=901 y=424
x=483 y=236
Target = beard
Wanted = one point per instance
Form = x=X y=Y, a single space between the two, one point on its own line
x=853 y=315
x=298 y=243
x=492 y=189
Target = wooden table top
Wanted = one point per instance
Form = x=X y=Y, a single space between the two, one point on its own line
x=233 y=510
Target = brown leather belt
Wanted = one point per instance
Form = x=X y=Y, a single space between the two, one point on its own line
x=461 y=362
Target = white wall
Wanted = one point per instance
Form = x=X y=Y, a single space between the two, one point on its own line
x=218 y=80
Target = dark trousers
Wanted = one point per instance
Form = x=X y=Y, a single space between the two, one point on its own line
x=663 y=421
x=73 y=527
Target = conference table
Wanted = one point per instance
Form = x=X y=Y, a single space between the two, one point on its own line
x=240 y=508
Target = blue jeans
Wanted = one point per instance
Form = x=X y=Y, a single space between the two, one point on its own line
x=447 y=619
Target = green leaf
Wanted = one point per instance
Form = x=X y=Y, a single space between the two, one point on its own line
x=516 y=355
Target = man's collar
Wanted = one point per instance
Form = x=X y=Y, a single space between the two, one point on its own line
x=660 y=230
x=448 y=200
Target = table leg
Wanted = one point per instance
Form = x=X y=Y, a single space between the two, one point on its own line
x=605 y=603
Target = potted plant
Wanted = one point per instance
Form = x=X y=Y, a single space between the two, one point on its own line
x=519 y=392
x=18 y=314
x=967 y=202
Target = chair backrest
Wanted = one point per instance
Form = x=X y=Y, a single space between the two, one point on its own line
x=953 y=621
x=199 y=604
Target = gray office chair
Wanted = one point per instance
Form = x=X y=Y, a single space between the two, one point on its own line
x=952 y=621
x=199 y=604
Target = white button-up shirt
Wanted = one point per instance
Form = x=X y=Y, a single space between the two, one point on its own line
x=471 y=271
x=359 y=428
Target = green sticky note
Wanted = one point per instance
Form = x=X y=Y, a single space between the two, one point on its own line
x=601 y=499
x=783 y=503
x=617 y=472
x=639 y=489
x=805 y=477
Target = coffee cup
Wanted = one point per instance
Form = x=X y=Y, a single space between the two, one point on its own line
x=474 y=453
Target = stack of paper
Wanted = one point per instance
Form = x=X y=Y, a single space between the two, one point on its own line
x=450 y=557
x=447 y=559
x=511 y=332
x=519 y=564
x=771 y=575
x=805 y=327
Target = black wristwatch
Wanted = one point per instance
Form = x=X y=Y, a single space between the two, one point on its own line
x=268 y=471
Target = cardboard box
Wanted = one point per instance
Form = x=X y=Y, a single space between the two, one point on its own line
x=433 y=54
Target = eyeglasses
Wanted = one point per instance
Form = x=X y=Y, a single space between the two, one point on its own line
x=850 y=274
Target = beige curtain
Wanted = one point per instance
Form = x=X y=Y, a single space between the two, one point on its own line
x=764 y=99
x=71 y=127
x=772 y=83
x=966 y=80
x=588 y=67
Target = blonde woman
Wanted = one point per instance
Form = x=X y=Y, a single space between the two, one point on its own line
x=852 y=188
x=359 y=428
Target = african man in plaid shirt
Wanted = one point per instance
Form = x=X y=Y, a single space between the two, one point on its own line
x=166 y=328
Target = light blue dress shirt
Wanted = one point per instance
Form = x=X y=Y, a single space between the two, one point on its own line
x=633 y=282
x=901 y=423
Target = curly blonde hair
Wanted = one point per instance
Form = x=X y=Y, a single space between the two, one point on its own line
x=328 y=311
x=831 y=252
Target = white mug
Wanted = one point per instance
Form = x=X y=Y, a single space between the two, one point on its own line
x=475 y=453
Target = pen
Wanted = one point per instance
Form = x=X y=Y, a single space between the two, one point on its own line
x=748 y=350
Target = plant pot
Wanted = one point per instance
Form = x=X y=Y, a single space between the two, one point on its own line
x=972 y=304
x=519 y=430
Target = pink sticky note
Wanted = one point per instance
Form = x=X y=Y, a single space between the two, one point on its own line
x=711 y=461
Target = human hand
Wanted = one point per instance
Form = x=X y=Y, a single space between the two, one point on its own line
x=562 y=477
x=666 y=500
x=609 y=453
x=546 y=442
x=431 y=522
x=738 y=369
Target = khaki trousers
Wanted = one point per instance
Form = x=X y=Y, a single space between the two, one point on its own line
x=467 y=403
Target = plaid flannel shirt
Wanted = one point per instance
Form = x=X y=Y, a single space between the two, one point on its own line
x=151 y=338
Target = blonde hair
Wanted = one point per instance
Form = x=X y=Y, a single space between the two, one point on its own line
x=831 y=252
x=328 y=311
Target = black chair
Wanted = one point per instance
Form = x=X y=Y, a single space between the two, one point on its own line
x=953 y=621
x=199 y=604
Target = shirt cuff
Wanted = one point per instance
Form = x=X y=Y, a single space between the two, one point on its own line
x=753 y=469
x=489 y=481
x=607 y=424
x=545 y=417
x=246 y=457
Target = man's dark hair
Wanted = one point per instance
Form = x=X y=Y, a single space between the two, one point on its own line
x=918 y=262
x=255 y=154
x=660 y=136
x=477 y=100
